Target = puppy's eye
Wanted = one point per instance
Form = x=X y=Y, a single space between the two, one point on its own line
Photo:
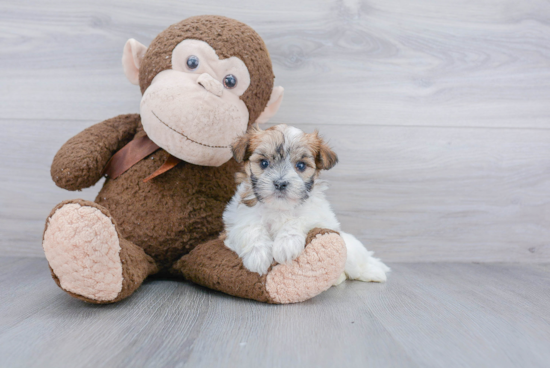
x=264 y=164
x=230 y=81
x=192 y=62
x=301 y=166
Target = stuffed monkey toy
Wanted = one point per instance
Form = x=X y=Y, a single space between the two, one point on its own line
x=170 y=173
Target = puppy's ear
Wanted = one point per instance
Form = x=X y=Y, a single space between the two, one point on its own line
x=240 y=148
x=326 y=158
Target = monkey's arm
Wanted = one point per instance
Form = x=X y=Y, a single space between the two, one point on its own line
x=79 y=162
x=214 y=265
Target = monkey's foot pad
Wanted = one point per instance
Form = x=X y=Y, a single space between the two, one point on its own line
x=82 y=247
x=313 y=272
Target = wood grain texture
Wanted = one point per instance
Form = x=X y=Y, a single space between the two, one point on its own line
x=439 y=111
x=427 y=315
x=409 y=193
x=28 y=192
x=424 y=63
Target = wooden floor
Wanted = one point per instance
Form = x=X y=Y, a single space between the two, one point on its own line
x=427 y=315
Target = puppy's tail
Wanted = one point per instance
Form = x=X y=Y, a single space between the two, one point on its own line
x=360 y=263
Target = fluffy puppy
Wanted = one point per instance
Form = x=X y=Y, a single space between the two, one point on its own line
x=279 y=199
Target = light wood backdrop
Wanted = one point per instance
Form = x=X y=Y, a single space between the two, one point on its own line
x=439 y=110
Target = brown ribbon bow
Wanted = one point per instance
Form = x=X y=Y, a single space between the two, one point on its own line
x=131 y=154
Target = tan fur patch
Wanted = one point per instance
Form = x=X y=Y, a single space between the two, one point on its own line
x=325 y=157
x=82 y=247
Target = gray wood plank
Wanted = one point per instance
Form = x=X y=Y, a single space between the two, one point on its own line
x=409 y=193
x=440 y=194
x=483 y=304
x=422 y=63
x=29 y=193
x=427 y=315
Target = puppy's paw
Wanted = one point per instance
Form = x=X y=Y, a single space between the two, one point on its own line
x=340 y=280
x=288 y=247
x=258 y=260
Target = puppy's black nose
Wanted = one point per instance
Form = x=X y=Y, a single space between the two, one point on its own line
x=280 y=185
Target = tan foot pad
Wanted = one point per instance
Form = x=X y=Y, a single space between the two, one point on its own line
x=82 y=247
x=313 y=272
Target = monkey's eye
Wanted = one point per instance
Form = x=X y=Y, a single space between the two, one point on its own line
x=230 y=81
x=192 y=62
x=264 y=164
x=301 y=166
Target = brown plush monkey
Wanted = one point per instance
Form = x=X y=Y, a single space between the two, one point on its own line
x=170 y=174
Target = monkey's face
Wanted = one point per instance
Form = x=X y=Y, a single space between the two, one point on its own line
x=204 y=81
x=193 y=110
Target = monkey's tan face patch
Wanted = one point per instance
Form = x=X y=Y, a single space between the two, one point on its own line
x=194 y=111
x=198 y=57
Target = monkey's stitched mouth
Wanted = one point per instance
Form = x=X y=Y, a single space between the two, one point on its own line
x=184 y=136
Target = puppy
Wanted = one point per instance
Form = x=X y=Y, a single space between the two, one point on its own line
x=279 y=199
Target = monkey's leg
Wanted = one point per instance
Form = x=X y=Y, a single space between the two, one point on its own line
x=215 y=266
x=87 y=256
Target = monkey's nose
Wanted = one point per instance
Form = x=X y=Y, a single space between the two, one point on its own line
x=280 y=185
x=210 y=84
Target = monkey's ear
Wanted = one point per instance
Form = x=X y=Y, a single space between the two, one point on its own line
x=131 y=59
x=240 y=148
x=326 y=158
x=272 y=105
